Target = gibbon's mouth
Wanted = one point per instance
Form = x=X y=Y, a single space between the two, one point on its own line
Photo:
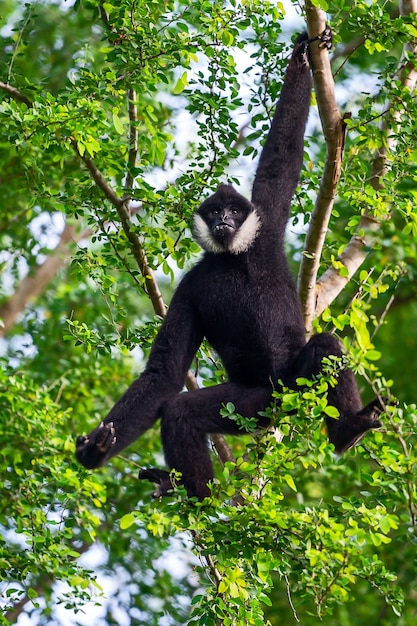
x=223 y=228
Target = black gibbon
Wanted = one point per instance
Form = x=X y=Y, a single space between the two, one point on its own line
x=242 y=298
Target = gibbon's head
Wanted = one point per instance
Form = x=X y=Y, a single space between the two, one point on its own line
x=226 y=222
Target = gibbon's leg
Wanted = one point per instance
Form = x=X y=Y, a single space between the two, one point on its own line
x=354 y=421
x=189 y=417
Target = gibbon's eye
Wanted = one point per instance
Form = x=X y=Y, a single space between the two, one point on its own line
x=215 y=211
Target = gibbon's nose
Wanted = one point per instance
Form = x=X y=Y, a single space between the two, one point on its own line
x=225 y=215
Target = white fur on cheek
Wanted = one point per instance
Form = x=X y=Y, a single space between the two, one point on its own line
x=246 y=234
x=203 y=236
x=241 y=242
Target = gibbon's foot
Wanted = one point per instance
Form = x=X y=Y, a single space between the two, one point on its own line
x=93 y=450
x=349 y=431
x=162 y=478
x=325 y=39
x=303 y=52
x=158 y=477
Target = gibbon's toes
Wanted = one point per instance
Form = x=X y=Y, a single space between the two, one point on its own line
x=92 y=450
x=326 y=38
x=160 y=478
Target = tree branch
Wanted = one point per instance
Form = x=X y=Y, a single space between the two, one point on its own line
x=334 y=134
x=316 y=296
x=331 y=283
x=33 y=285
x=15 y=93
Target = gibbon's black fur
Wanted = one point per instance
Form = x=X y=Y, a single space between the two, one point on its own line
x=242 y=298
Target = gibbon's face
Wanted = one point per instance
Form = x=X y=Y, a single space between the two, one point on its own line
x=226 y=222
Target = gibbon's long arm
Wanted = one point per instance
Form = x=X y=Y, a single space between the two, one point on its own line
x=282 y=155
x=171 y=356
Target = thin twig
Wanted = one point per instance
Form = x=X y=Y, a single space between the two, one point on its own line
x=19 y=39
x=290 y=602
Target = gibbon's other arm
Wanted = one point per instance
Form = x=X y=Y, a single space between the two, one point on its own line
x=137 y=410
x=282 y=155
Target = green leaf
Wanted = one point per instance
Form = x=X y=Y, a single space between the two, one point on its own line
x=331 y=411
x=373 y=355
x=290 y=482
x=117 y=123
x=181 y=84
x=127 y=521
x=227 y=38
x=32 y=593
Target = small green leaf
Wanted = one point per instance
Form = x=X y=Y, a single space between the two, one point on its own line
x=290 y=482
x=331 y=411
x=227 y=38
x=32 y=593
x=373 y=355
x=181 y=84
x=117 y=123
x=126 y=521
